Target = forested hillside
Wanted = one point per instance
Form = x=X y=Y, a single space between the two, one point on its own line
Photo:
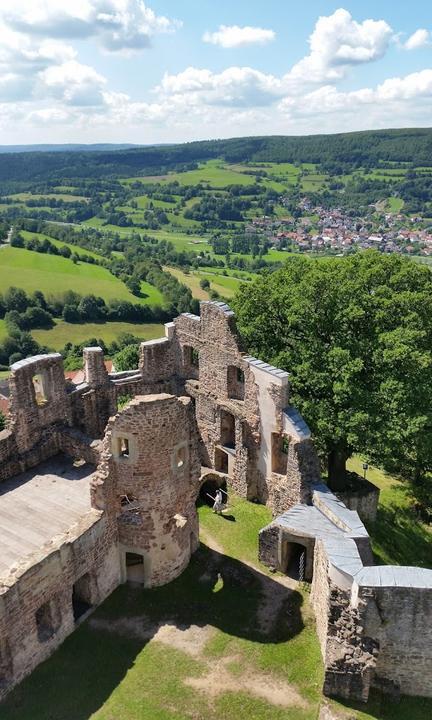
x=350 y=150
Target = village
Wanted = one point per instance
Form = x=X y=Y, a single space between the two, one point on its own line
x=323 y=230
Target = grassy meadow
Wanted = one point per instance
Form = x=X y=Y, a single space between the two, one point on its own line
x=62 y=332
x=55 y=275
x=224 y=285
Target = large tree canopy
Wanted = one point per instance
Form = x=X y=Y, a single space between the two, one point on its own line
x=355 y=334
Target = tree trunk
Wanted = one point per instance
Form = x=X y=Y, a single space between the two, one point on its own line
x=337 y=458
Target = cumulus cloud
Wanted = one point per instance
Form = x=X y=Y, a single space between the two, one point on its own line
x=119 y=25
x=22 y=59
x=235 y=86
x=418 y=39
x=72 y=83
x=233 y=36
x=339 y=42
x=392 y=94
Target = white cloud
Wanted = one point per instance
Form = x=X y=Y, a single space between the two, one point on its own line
x=119 y=25
x=393 y=94
x=418 y=39
x=235 y=86
x=233 y=36
x=43 y=85
x=72 y=83
x=339 y=42
x=415 y=85
x=22 y=59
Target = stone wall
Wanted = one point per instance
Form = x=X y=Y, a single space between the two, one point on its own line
x=36 y=612
x=398 y=619
x=149 y=480
x=363 y=497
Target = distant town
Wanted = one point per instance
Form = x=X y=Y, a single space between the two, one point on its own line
x=318 y=229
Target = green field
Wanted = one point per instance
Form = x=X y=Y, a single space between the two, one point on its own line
x=24 y=196
x=224 y=285
x=54 y=275
x=62 y=333
x=58 y=243
x=394 y=204
x=214 y=173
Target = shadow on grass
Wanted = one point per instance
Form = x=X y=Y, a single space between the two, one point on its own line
x=215 y=590
x=380 y=707
x=398 y=537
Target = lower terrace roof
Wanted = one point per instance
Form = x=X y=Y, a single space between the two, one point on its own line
x=38 y=506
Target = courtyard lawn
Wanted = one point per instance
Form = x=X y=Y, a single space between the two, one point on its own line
x=198 y=648
x=202 y=647
x=63 y=332
x=54 y=275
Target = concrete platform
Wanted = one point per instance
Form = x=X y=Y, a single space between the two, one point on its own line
x=40 y=504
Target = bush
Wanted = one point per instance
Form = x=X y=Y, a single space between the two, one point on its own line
x=127 y=359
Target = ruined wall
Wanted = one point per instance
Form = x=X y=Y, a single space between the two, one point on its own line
x=399 y=620
x=38 y=398
x=36 y=612
x=149 y=480
x=363 y=498
x=320 y=594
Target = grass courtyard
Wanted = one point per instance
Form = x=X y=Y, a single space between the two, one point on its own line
x=225 y=640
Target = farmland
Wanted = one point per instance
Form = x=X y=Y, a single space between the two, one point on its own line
x=63 y=333
x=55 y=275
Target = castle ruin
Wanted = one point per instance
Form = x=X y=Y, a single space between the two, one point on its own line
x=92 y=497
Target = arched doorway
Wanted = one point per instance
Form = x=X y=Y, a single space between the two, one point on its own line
x=211 y=484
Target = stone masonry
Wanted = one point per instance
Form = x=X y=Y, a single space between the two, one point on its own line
x=91 y=497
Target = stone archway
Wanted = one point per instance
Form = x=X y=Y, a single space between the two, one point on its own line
x=209 y=486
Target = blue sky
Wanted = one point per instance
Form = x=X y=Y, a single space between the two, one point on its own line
x=164 y=71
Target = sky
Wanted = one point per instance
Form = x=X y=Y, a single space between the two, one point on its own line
x=129 y=71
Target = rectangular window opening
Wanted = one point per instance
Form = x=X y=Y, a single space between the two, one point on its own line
x=180 y=458
x=279 y=453
x=81 y=597
x=235 y=383
x=39 y=390
x=44 y=622
x=124 y=448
